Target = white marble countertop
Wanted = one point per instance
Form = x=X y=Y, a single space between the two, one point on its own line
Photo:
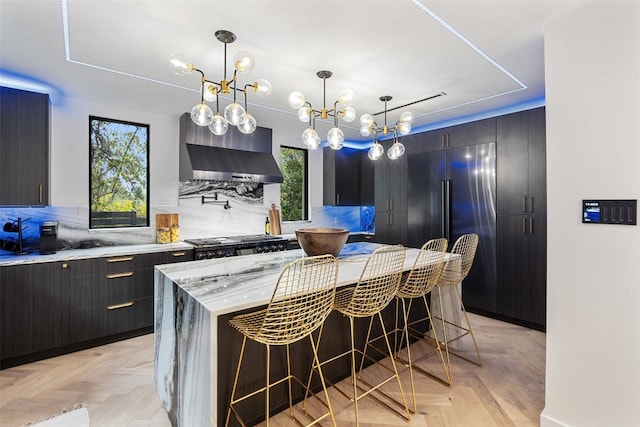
x=226 y=285
x=71 y=254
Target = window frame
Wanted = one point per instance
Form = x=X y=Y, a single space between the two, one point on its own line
x=119 y=223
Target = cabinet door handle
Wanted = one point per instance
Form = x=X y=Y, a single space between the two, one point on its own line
x=531 y=205
x=524 y=225
x=117 y=306
x=524 y=204
x=530 y=225
x=177 y=254
x=118 y=275
x=121 y=259
x=41 y=193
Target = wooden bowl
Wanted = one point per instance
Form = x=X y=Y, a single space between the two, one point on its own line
x=320 y=241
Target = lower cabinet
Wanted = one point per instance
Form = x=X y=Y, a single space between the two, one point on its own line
x=111 y=295
x=53 y=308
x=34 y=313
x=522 y=249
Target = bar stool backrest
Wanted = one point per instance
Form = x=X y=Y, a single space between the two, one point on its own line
x=302 y=300
x=378 y=282
x=458 y=265
x=426 y=269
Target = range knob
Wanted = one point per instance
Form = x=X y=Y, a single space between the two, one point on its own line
x=201 y=255
x=220 y=254
x=211 y=254
x=260 y=249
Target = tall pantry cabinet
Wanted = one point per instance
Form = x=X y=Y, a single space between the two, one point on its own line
x=522 y=217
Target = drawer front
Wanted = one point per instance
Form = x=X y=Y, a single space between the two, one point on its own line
x=127 y=263
x=110 y=289
x=96 y=322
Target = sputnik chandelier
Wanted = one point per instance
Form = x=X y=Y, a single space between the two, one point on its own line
x=210 y=91
x=341 y=108
x=401 y=127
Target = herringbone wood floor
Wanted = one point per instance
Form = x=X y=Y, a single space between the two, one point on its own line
x=115 y=382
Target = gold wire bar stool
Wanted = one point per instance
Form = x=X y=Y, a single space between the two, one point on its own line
x=419 y=283
x=376 y=287
x=302 y=300
x=455 y=270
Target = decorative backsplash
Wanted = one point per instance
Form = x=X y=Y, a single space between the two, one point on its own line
x=246 y=215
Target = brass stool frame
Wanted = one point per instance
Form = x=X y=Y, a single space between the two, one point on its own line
x=418 y=283
x=301 y=302
x=455 y=270
x=376 y=287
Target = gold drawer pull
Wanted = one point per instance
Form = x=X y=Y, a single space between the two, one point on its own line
x=117 y=306
x=118 y=275
x=124 y=258
x=177 y=254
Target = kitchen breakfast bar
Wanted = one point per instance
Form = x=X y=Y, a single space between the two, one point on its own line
x=196 y=351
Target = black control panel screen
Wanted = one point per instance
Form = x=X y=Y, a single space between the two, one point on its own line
x=609 y=212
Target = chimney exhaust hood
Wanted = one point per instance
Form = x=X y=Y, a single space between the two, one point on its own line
x=232 y=157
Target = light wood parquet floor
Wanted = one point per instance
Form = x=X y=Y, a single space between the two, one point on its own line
x=115 y=383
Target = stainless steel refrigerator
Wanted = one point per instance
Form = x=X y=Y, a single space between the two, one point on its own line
x=452 y=192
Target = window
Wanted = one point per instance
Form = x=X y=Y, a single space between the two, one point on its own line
x=118 y=173
x=293 y=191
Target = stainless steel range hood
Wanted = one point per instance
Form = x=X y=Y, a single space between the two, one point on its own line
x=233 y=157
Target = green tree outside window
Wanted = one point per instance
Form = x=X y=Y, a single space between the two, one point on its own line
x=293 y=191
x=119 y=173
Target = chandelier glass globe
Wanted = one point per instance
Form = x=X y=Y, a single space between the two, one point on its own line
x=335 y=138
x=202 y=114
x=376 y=151
x=233 y=113
x=311 y=138
x=219 y=125
x=248 y=124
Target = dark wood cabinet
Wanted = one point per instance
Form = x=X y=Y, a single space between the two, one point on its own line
x=521 y=293
x=390 y=188
x=521 y=221
x=53 y=308
x=522 y=163
x=342 y=177
x=24 y=148
x=472 y=133
x=35 y=309
x=111 y=295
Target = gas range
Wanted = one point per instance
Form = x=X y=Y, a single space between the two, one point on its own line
x=220 y=247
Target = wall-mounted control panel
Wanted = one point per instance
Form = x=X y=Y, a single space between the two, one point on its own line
x=610 y=212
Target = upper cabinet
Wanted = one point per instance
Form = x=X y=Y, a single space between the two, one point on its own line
x=390 y=185
x=24 y=148
x=521 y=163
x=347 y=178
x=472 y=133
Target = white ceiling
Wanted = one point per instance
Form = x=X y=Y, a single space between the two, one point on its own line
x=485 y=55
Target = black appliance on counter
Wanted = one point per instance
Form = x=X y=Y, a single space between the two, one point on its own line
x=48 y=237
x=220 y=247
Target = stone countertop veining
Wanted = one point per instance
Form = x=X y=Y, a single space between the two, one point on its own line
x=72 y=254
x=226 y=285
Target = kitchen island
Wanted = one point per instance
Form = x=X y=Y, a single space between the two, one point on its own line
x=196 y=351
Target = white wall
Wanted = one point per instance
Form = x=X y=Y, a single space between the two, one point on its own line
x=70 y=150
x=592 y=68
x=69 y=184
